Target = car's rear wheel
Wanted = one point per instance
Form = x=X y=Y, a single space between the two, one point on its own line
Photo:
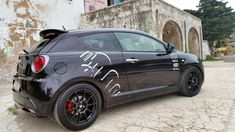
x=191 y=82
x=78 y=107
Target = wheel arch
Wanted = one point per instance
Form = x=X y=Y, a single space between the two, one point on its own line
x=184 y=73
x=70 y=83
x=189 y=65
x=201 y=70
x=199 y=67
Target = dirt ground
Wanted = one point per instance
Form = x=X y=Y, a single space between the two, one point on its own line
x=212 y=110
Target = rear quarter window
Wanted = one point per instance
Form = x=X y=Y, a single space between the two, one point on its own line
x=101 y=41
x=38 y=46
x=68 y=43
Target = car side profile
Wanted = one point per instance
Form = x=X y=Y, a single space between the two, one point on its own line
x=74 y=75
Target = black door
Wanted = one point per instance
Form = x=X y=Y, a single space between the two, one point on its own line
x=106 y=60
x=146 y=62
x=96 y=56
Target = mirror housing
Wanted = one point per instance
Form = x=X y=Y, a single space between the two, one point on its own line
x=170 y=48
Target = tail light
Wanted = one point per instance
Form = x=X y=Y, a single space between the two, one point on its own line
x=39 y=63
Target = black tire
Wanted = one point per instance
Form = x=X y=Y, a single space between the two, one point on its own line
x=73 y=109
x=191 y=82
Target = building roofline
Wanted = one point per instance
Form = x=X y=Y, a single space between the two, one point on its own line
x=125 y=2
x=111 y=6
x=163 y=1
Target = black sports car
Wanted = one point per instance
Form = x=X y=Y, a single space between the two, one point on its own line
x=75 y=74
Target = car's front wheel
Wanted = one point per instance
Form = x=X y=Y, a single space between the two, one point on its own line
x=78 y=106
x=191 y=82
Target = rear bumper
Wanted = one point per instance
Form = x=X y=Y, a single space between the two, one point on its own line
x=25 y=103
x=30 y=104
x=32 y=95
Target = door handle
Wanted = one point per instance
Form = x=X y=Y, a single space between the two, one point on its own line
x=132 y=60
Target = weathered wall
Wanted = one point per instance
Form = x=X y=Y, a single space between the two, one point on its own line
x=129 y=14
x=150 y=16
x=21 y=21
x=92 y=5
x=206 y=49
x=185 y=21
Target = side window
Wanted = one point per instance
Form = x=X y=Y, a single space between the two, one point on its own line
x=68 y=43
x=137 y=42
x=103 y=41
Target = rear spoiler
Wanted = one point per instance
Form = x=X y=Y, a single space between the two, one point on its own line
x=51 y=33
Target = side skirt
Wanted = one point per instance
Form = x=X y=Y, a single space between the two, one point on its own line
x=141 y=94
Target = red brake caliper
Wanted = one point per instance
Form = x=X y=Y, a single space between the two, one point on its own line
x=70 y=106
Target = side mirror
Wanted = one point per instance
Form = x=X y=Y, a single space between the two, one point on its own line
x=170 y=48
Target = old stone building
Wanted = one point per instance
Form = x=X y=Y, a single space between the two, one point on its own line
x=22 y=20
x=152 y=16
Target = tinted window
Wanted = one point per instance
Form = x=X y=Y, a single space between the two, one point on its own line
x=68 y=43
x=103 y=41
x=137 y=42
x=38 y=46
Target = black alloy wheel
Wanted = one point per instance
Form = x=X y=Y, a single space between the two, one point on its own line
x=192 y=82
x=78 y=107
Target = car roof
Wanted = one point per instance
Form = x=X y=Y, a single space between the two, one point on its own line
x=55 y=32
x=100 y=30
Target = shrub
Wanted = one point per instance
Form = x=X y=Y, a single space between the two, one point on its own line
x=212 y=58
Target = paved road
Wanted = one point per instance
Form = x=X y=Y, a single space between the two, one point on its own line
x=212 y=110
x=229 y=58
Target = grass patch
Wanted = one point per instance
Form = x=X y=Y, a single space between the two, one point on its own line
x=13 y=110
x=233 y=50
x=212 y=58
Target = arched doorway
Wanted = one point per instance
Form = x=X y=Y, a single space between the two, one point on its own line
x=172 y=34
x=193 y=41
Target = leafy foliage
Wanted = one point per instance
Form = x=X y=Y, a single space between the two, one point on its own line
x=217 y=20
x=212 y=58
x=233 y=36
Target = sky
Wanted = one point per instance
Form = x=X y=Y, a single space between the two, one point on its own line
x=191 y=4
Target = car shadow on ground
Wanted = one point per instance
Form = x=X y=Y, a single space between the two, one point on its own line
x=27 y=121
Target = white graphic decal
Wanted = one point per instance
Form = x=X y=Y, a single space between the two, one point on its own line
x=174 y=56
x=175 y=69
x=175 y=61
x=114 y=71
x=176 y=65
x=101 y=53
x=118 y=85
x=90 y=65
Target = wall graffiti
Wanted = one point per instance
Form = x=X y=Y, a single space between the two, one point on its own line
x=91 y=65
x=92 y=5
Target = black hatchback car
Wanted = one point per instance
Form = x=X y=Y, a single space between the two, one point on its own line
x=73 y=75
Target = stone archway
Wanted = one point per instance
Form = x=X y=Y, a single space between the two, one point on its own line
x=172 y=34
x=193 y=41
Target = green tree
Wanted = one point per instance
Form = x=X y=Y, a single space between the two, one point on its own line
x=232 y=37
x=217 y=20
